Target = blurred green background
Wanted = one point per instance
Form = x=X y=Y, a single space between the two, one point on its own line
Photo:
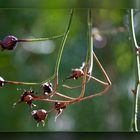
x=36 y=61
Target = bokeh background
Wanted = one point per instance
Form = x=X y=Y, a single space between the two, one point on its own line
x=34 y=62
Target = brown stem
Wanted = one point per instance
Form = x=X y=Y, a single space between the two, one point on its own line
x=102 y=69
x=97 y=80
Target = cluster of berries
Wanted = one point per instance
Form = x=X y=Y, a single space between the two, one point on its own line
x=40 y=114
x=28 y=96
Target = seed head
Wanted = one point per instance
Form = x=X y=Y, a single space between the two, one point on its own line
x=39 y=115
x=47 y=88
x=9 y=42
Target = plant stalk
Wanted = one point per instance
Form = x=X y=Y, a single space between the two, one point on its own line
x=134 y=123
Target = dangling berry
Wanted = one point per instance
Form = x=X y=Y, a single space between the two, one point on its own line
x=59 y=107
x=39 y=115
x=47 y=88
x=9 y=42
x=1 y=81
x=27 y=97
x=76 y=73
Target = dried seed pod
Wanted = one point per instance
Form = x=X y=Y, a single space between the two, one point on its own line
x=76 y=73
x=1 y=81
x=39 y=115
x=9 y=42
x=27 y=97
x=59 y=107
x=47 y=88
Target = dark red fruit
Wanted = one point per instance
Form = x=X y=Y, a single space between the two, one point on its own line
x=76 y=73
x=27 y=97
x=39 y=115
x=59 y=106
x=47 y=88
x=9 y=42
x=1 y=81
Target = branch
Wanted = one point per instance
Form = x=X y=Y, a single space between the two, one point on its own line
x=134 y=125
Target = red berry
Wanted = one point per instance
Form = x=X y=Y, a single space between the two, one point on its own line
x=39 y=115
x=47 y=88
x=59 y=106
x=9 y=42
x=27 y=97
x=76 y=73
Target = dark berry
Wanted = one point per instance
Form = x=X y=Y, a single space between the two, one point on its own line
x=76 y=73
x=47 y=88
x=60 y=105
x=39 y=115
x=27 y=97
x=1 y=82
x=9 y=42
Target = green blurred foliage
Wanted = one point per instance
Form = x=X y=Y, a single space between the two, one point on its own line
x=110 y=112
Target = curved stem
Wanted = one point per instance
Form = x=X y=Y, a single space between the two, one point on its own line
x=40 y=39
x=72 y=101
x=90 y=43
x=63 y=44
x=134 y=125
x=97 y=80
x=72 y=88
x=92 y=77
x=102 y=69
x=56 y=71
x=89 y=57
x=64 y=96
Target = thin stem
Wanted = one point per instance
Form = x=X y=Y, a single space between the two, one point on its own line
x=90 y=43
x=132 y=28
x=97 y=80
x=74 y=100
x=83 y=83
x=56 y=71
x=134 y=125
x=72 y=88
x=92 y=77
x=49 y=79
x=64 y=96
x=50 y=100
x=19 y=83
x=90 y=96
x=63 y=43
x=102 y=69
x=89 y=57
x=40 y=39
x=96 y=95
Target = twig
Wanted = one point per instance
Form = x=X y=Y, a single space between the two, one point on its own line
x=134 y=125
x=40 y=39
x=102 y=69
x=19 y=83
